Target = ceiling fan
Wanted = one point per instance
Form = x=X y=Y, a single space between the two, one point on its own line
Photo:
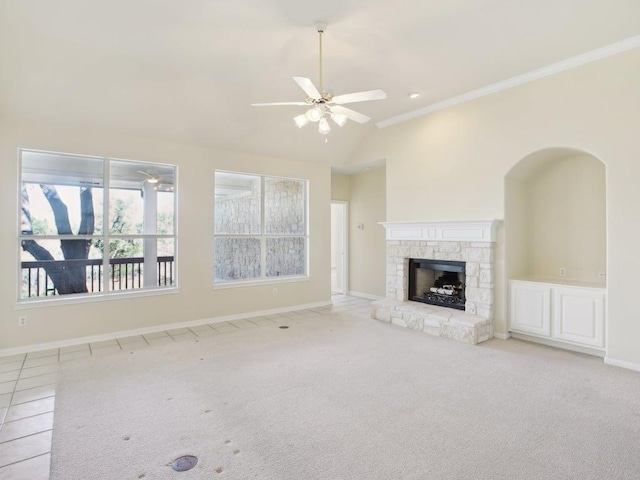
x=150 y=178
x=160 y=182
x=324 y=104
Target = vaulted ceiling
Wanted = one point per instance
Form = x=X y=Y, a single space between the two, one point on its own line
x=188 y=71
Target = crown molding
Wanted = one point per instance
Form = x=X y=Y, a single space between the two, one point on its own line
x=561 y=66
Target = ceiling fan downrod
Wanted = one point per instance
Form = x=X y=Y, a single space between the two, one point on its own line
x=320 y=27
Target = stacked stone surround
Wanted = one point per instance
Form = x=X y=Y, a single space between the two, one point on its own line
x=479 y=269
x=474 y=325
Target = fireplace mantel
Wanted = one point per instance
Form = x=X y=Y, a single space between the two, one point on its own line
x=464 y=231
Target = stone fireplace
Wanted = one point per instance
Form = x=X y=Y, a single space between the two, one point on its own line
x=441 y=244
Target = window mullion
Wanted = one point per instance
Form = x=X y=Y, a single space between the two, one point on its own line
x=306 y=227
x=106 y=254
x=263 y=239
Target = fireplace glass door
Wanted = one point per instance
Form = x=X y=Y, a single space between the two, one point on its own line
x=437 y=282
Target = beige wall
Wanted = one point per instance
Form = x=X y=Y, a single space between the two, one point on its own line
x=566 y=219
x=367 y=260
x=340 y=187
x=196 y=298
x=516 y=228
x=460 y=156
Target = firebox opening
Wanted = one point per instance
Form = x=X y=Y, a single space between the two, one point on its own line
x=437 y=282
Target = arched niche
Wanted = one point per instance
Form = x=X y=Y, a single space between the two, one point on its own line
x=555 y=217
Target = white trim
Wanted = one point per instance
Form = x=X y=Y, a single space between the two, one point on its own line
x=157 y=328
x=71 y=299
x=502 y=336
x=562 y=345
x=622 y=363
x=462 y=231
x=364 y=295
x=561 y=66
x=258 y=282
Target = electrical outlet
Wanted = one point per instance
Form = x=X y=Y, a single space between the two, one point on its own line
x=275 y=291
x=602 y=275
x=22 y=321
x=563 y=272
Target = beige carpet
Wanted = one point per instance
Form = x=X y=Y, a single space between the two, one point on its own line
x=338 y=397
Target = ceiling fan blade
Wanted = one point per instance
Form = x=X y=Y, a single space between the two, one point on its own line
x=359 y=97
x=277 y=103
x=350 y=114
x=308 y=87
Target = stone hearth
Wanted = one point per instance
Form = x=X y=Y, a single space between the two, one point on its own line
x=434 y=320
x=469 y=242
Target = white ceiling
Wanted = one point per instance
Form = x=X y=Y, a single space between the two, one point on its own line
x=187 y=71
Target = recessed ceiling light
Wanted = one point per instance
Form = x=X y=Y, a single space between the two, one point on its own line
x=414 y=95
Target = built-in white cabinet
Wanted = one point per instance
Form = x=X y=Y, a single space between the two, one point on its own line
x=563 y=313
x=531 y=308
x=578 y=315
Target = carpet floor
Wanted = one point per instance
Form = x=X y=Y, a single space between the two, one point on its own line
x=338 y=396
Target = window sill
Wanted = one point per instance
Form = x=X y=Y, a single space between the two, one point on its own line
x=54 y=301
x=256 y=283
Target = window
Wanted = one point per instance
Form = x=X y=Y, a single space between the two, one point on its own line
x=91 y=225
x=260 y=227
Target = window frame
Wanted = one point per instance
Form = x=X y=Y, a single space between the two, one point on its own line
x=264 y=279
x=105 y=293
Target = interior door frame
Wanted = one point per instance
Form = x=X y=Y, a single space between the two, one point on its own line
x=345 y=244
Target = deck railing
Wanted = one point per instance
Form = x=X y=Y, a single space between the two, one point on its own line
x=124 y=274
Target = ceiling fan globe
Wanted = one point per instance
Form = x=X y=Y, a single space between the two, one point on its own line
x=339 y=119
x=314 y=114
x=323 y=126
x=301 y=120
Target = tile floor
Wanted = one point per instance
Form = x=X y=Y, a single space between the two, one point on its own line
x=28 y=383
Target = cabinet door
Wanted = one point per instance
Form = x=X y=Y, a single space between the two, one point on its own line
x=578 y=316
x=530 y=308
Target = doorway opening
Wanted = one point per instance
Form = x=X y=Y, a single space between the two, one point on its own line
x=339 y=257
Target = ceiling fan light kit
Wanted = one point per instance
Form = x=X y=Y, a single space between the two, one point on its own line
x=323 y=104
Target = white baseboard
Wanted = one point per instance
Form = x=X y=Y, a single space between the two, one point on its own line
x=364 y=295
x=596 y=352
x=622 y=364
x=156 y=328
x=502 y=336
